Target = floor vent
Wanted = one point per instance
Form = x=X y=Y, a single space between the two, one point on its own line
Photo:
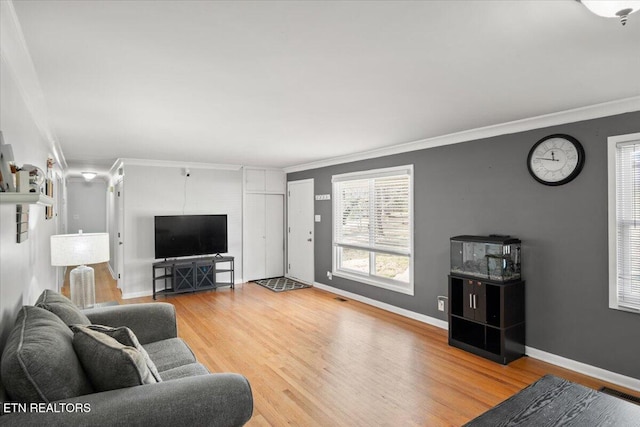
x=340 y=299
x=621 y=395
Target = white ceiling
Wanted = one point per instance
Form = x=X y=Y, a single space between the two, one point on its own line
x=287 y=83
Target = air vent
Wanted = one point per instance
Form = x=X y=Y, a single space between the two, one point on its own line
x=620 y=395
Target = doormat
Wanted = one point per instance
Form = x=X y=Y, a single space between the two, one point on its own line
x=281 y=284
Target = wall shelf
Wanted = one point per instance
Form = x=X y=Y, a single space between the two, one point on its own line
x=25 y=198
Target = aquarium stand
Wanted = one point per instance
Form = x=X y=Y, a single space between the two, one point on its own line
x=487 y=318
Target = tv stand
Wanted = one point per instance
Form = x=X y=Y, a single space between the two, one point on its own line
x=192 y=274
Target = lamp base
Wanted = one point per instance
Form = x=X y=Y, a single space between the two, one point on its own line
x=83 y=287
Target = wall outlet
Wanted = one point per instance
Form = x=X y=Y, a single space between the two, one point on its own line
x=442 y=303
x=329 y=275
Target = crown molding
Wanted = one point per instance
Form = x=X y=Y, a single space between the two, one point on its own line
x=116 y=165
x=174 y=164
x=15 y=55
x=262 y=168
x=96 y=180
x=605 y=109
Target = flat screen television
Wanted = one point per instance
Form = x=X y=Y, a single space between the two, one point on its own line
x=190 y=235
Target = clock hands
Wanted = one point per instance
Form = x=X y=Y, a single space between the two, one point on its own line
x=553 y=158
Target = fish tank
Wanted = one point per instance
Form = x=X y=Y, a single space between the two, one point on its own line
x=491 y=257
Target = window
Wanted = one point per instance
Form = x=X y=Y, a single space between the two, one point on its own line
x=373 y=227
x=624 y=222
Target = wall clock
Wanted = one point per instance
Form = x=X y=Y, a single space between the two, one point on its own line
x=555 y=159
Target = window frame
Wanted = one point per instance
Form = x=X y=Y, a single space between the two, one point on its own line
x=371 y=279
x=612 y=144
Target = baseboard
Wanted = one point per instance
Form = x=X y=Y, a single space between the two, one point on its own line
x=388 y=307
x=140 y=294
x=113 y=273
x=583 y=368
x=563 y=362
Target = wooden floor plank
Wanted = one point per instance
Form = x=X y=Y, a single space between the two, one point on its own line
x=314 y=360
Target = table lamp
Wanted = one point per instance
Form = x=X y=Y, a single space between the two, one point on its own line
x=80 y=249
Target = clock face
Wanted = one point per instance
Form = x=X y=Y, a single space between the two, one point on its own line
x=556 y=159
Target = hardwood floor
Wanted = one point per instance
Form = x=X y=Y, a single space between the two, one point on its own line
x=313 y=360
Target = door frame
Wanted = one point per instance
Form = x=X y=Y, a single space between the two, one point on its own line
x=313 y=256
x=60 y=217
x=119 y=233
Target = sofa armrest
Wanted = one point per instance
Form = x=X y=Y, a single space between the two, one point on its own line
x=204 y=400
x=150 y=322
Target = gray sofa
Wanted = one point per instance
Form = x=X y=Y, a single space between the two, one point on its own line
x=39 y=364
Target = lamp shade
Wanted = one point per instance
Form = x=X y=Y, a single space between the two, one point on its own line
x=79 y=249
x=612 y=8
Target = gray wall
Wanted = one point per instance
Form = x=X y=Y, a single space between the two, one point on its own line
x=87 y=206
x=483 y=187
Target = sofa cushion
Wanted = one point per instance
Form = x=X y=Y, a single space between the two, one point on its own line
x=125 y=336
x=39 y=363
x=62 y=307
x=170 y=353
x=109 y=364
x=190 y=370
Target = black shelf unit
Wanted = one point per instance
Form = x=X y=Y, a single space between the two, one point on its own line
x=487 y=318
x=192 y=274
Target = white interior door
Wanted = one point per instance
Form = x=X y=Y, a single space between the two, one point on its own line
x=274 y=231
x=253 y=266
x=300 y=238
x=263 y=236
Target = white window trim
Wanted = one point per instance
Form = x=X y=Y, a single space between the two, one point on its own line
x=612 y=143
x=377 y=281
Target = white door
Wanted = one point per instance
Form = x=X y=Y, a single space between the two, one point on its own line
x=274 y=232
x=254 y=238
x=300 y=238
x=263 y=236
x=119 y=210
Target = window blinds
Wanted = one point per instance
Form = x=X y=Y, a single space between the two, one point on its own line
x=628 y=224
x=374 y=212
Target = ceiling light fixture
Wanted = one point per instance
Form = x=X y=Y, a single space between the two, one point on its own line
x=89 y=175
x=612 y=8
